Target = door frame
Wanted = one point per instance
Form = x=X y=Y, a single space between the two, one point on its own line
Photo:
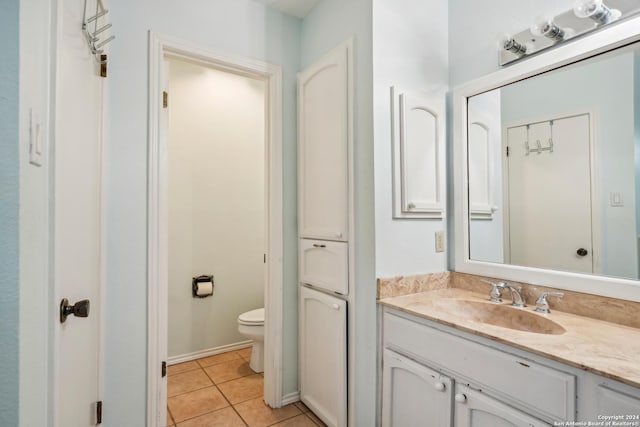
x=596 y=200
x=161 y=46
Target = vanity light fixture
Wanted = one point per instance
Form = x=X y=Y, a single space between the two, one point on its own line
x=595 y=10
x=548 y=31
x=544 y=26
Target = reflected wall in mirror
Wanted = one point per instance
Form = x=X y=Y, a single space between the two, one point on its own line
x=554 y=169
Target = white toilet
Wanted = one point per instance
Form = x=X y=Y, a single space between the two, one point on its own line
x=251 y=325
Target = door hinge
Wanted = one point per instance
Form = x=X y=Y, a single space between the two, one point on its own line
x=507 y=151
x=103 y=65
x=99 y=412
x=265 y=258
x=165 y=99
x=163 y=369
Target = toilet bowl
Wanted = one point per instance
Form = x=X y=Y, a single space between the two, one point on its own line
x=251 y=325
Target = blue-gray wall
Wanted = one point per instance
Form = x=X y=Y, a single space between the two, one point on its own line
x=9 y=285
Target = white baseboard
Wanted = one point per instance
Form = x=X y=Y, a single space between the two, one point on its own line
x=208 y=352
x=290 y=398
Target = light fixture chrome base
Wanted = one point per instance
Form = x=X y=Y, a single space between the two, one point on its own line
x=569 y=24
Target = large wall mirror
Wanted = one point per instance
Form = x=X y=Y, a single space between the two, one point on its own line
x=548 y=168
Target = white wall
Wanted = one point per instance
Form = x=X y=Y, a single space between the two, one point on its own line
x=611 y=102
x=410 y=51
x=330 y=23
x=35 y=294
x=241 y=27
x=216 y=203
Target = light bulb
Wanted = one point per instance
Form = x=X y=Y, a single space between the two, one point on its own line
x=543 y=26
x=595 y=10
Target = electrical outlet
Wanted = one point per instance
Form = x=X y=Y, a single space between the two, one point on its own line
x=440 y=241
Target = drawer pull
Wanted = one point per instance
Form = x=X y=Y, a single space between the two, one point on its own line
x=439 y=386
x=461 y=398
x=315 y=245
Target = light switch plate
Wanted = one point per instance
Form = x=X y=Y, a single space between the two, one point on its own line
x=617 y=200
x=35 y=139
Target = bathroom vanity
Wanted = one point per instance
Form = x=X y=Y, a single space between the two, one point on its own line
x=443 y=361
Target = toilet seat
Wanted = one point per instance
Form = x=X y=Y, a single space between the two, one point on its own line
x=253 y=317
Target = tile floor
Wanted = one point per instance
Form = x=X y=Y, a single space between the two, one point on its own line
x=222 y=390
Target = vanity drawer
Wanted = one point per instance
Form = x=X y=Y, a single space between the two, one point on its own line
x=546 y=392
x=325 y=264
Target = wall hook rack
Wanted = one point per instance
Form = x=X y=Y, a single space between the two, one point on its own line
x=94 y=27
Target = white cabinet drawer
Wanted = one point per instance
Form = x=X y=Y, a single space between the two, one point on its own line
x=325 y=264
x=541 y=390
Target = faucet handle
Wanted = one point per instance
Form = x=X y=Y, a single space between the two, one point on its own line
x=496 y=290
x=542 y=305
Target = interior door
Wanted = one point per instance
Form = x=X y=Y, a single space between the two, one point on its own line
x=77 y=223
x=549 y=193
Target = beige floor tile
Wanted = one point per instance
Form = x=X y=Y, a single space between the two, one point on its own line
x=169 y=419
x=218 y=358
x=187 y=381
x=230 y=370
x=196 y=403
x=245 y=353
x=315 y=419
x=182 y=367
x=257 y=414
x=226 y=417
x=302 y=406
x=299 y=421
x=243 y=389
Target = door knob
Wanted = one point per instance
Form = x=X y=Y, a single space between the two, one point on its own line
x=582 y=252
x=460 y=398
x=79 y=309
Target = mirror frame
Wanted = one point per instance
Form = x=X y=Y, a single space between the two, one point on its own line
x=608 y=38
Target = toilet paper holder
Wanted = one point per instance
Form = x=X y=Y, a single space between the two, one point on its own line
x=200 y=286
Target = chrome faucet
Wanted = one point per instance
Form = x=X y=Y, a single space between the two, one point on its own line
x=542 y=305
x=496 y=293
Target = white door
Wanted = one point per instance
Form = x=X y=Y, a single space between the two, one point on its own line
x=549 y=193
x=475 y=409
x=413 y=393
x=77 y=221
x=323 y=355
x=323 y=125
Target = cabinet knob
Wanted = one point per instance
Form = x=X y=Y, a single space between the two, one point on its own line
x=461 y=398
x=335 y=306
x=338 y=234
x=439 y=386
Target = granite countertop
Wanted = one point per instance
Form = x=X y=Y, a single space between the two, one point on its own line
x=608 y=349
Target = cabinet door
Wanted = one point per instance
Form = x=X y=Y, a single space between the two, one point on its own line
x=323 y=147
x=475 y=409
x=612 y=402
x=413 y=394
x=323 y=355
